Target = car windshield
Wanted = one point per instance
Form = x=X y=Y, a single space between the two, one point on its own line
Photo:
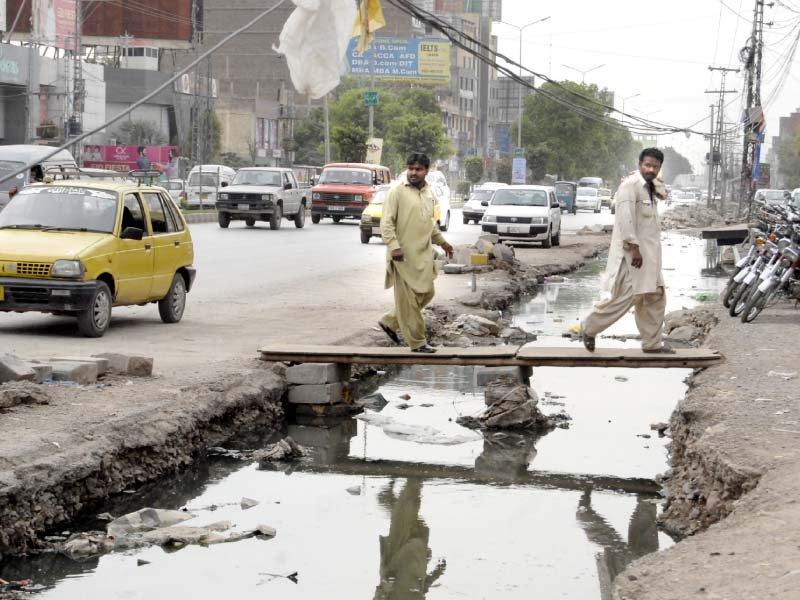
x=587 y=192
x=268 y=178
x=61 y=208
x=509 y=197
x=6 y=168
x=174 y=185
x=774 y=196
x=346 y=176
x=481 y=195
x=209 y=179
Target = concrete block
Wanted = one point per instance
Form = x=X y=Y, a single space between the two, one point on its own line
x=485 y=375
x=329 y=393
x=123 y=364
x=13 y=368
x=43 y=372
x=102 y=363
x=491 y=238
x=84 y=373
x=479 y=260
x=454 y=268
x=317 y=373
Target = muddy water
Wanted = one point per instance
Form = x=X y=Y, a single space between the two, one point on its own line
x=406 y=504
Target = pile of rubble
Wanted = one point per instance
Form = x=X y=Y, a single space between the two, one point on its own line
x=485 y=254
x=689 y=326
x=487 y=327
x=83 y=370
x=689 y=216
x=510 y=404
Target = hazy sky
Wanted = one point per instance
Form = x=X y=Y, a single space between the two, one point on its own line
x=660 y=50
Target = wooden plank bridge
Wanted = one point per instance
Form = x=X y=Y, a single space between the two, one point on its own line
x=492 y=356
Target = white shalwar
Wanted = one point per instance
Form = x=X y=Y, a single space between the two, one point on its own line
x=636 y=222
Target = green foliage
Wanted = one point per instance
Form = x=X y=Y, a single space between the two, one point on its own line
x=463 y=188
x=233 y=160
x=675 y=164
x=788 y=151
x=561 y=142
x=350 y=142
x=503 y=170
x=416 y=133
x=473 y=168
x=139 y=132
x=309 y=134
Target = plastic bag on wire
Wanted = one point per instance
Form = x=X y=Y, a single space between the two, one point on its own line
x=314 y=41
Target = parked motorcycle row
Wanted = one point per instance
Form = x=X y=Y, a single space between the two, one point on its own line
x=770 y=269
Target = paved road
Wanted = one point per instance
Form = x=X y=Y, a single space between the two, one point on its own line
x=253 y=286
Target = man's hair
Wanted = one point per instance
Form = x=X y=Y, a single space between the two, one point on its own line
x=652 y=153
x=140 y=149
x=418 y=157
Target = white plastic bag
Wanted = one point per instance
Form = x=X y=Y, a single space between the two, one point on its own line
x=314 y=41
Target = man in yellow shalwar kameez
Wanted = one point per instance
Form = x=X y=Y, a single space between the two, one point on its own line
x=408 y=230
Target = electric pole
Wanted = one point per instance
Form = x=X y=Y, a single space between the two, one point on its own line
x=718 y=149
x=751 y=56
x=75 y=123
x=710 y=160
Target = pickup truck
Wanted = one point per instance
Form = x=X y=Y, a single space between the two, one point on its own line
x=263 y=194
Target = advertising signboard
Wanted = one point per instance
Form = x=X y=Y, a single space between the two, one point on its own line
x=54 y=23
x=417 y=60
x=519 y=168
x=374 y=151
x=123 y=158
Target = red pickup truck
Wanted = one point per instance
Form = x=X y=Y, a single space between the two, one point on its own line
x=344 y=190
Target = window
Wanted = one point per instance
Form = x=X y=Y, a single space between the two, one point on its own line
x=285 y=179
x=172 y=213
x=161 y=221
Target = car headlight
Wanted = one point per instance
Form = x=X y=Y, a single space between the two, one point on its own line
x=67 y=268
x=539 y=220
x=315 y=196
x=223 y=196
x=358 y=198
x=489 y=219
x=266 y=197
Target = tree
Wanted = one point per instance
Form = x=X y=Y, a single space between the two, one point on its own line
x=350 y=142
x=310 y=137
x=139 y=132
x=473 y=169
x=675 y=164
x=418 y=133
x=503 y=170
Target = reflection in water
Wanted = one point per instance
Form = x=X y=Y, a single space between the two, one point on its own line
x=506 y=456
x=617 y=554
x=405 y=552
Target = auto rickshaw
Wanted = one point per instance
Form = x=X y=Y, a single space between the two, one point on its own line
x=565 y=194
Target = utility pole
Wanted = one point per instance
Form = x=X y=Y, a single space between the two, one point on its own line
x=710 y=159
x=327 y=131
x=751 y=56
x=714 y=165
x=371 y=109
x=75 y=124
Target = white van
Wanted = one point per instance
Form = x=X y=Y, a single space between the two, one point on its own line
x=204 y=183
x=15 y=157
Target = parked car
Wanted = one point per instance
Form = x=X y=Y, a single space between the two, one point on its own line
x=565 y=192
x=204 y=183
x=263 y=194
x=587 y=198
x=680 y=197
x=605 y=197
x=529 y=213
x=441 y=192
x=80 y=247
x=176 y=189
x=371 y=217
x=344 y=190
x=17 y=156
x=771 y=196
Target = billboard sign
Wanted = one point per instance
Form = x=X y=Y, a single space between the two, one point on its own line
x=374 y=151
x=519 y=168
x=417 y=60
x=54 y=23
x=123 y=158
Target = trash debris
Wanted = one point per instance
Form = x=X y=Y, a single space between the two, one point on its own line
x=354 y=490
x=621 y=378
x=375 y=402
x=247 y=503
x=404 y=406
x=422 y=434
x=284 y=450
x=659 y=427
x=706 y=297
x=510 y=405
x=405 y=397
x=146 y=519
x=784 y=376
x=140 y=562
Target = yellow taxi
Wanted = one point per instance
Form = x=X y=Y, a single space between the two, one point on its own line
x=371 y=216
x=80 y=247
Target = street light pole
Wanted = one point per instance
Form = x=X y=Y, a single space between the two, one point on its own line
x=582 y=72
x=533 y=79
x=623 y=104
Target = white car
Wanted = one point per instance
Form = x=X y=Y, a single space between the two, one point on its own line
x=588 y=198
x=441 y=192
x=678 y=197
x=529 y=213
x=473 y=208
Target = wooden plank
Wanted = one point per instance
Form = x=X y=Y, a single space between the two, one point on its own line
x=533 y=356
x=616 y=357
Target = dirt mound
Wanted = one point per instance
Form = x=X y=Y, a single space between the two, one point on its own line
x=688 y=216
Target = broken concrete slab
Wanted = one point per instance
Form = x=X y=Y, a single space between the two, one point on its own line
x=454 y=269
x=43 y=372
x=486 y=375
x=102 y=363
x=328 y=393
x=503 y=252
x=247 y=503
x=284 y=450
x=15 y=393
x=124 y=364
x=317 y=373
x=13 y=368
x=83 y=373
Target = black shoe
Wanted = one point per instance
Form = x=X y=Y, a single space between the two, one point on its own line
x=588 y=342
x=392 y=334
x=424 y=349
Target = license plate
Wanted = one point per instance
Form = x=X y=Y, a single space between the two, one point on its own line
x=2 y=293
x=243 y=207
x=335 y=208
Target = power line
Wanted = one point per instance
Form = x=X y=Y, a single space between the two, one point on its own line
x=168 y=83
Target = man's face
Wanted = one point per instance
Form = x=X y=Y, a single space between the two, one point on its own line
x=416 y=173
x=649 y=168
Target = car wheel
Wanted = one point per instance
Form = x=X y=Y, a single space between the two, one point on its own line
x=548 y=242
x=250 y=222
x=446 y=225
x=613 y=210
x=275 y=218
x=94 y=321
x=315 y=218
x=365 y=237
x=224 y=219
x=300 y=217
x=466 y=221
x=557 y=237
x=336 y=219
x=171 y=306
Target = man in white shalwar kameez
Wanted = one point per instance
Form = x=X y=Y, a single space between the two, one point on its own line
x=633 y=273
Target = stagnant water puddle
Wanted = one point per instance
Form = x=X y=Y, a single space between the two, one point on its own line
x=407 y=504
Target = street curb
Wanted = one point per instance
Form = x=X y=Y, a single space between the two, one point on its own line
x=200 y=218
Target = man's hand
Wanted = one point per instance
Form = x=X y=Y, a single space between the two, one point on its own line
x=448 y=249
x=636 y=257
x=398 y=255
